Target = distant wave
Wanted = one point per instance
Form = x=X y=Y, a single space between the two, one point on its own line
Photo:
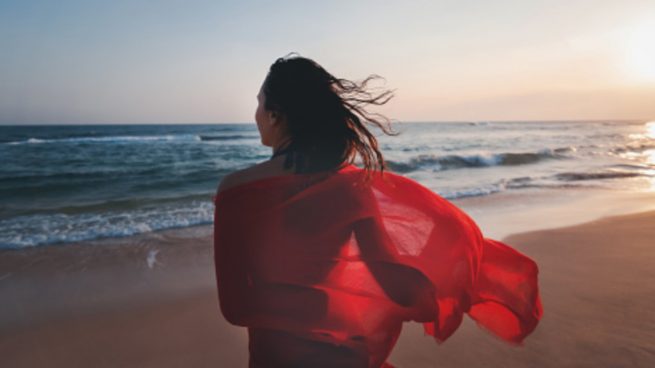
x=640 y=147
x=470 y=192
x=447 y=162
x=121 y=205
x=505 y=184
x=120 y=138
x=30 y=178
x=576 y=176
x=632 y=166
x=226 y=137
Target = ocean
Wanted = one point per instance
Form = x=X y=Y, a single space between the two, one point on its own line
x=68 y=183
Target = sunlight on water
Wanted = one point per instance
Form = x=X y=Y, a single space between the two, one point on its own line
x=650 y=129
x=650 y=154
x=650 y=160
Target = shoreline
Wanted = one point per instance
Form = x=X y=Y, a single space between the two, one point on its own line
x=150 y=300
x=514 y=212
x=502 y=222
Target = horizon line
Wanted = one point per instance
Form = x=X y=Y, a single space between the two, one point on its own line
x=392 y=122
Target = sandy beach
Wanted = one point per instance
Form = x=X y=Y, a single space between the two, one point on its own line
x=150 y=300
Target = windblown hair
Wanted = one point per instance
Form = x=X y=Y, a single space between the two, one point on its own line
x=325 y=116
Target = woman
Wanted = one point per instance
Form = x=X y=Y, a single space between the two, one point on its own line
x=323 y=261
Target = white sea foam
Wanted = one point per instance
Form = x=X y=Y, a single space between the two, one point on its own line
x=151 y=260
x=112 y=139
x=27 y=231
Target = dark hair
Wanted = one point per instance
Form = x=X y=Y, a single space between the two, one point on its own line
x=325 y=116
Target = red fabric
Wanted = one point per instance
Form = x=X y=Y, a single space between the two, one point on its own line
x=329 y=258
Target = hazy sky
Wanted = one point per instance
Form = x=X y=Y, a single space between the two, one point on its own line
x=204 y=61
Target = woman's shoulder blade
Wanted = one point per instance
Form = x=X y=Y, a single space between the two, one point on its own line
x=250 y=174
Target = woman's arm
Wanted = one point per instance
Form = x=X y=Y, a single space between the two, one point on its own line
x=405 y=285
x=247 y=303
x=275 y=306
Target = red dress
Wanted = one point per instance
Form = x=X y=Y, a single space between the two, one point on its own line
x=324 y=268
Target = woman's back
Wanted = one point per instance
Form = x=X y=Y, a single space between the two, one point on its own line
x=269 y=168
x=334 y=265
x=333 y=337
x=317 y=349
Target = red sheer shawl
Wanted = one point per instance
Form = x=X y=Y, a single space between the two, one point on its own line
x=333 y=258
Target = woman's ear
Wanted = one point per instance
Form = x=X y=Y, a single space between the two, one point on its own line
x=274 y=117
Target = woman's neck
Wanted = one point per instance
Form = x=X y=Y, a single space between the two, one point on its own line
x=281 y=147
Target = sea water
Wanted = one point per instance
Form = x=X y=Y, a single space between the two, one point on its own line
x=71 y=183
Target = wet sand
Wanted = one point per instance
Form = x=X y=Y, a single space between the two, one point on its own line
x=150 y=300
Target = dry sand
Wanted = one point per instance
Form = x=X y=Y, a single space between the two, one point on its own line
x=102 y=304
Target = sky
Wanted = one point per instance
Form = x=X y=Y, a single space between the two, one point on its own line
x=116 y=62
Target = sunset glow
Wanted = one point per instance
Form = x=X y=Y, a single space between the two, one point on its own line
x=640 y=52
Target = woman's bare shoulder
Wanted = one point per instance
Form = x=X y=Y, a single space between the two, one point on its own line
x=259 y=171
